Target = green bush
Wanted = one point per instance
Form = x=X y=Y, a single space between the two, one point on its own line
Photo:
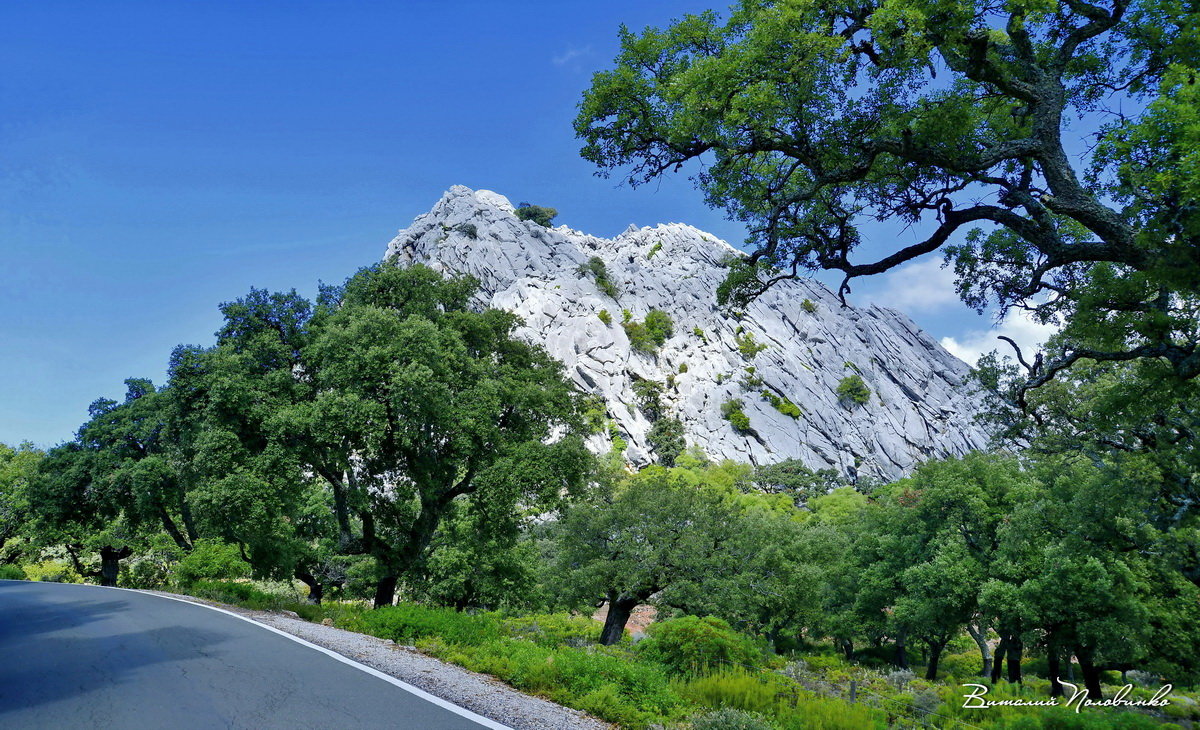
x=639 y=337
x=809 y=306
x=52 y=571
x=699 y=333
x=211 y=560
x=783 y=404
x=554 y=629
x=241 y=594
x=407 y=622
x=10 y=571
x=748 y=346
x=852 y=388
x=654 y=249
x=728 y=718
x=691 y=646
x=605 y=317
x=666 y=437
x=598 y=270
x=536 y=213
x=659 y=325
x=467 y=229
x=731 y=410
x=750 y=380
x=683 y=368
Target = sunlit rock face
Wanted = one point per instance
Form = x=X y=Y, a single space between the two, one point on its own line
x=919 y=407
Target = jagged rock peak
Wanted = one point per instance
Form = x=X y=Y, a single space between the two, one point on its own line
x=918 y=404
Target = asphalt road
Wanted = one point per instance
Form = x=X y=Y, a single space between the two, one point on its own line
x=74 y=656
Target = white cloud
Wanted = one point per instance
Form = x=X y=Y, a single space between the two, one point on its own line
x=570 y=55
x=920 y=286
x=1017 y=324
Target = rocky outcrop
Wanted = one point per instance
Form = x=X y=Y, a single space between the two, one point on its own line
x=918 y=404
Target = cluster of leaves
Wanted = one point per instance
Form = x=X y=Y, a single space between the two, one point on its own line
x=651 y=334
x=538 y=214
x=731 y=410
x=748 y=345
x=598 y=270
x=605 y=317
x=852 y=388
x=782 y=403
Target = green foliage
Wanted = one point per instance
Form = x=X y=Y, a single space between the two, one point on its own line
x=782 y=404
x=246 y=595
x=731 y=410
x=809 y=306
x=52 y=571
x=598 y=270
x=407 y=622
x=853 y=388
x=699 y=333
x=605 y=317
x=553 y=629
x=750 y=379
x=649 y=397
x=11 y=571
x=654 y=249
x=748 y=346
x=683 y=368
x=666 y=437
x=211 y=560
x=728 y=718
x=659 y=326
x=467 y=229
x=691 y=646
x=536 y=213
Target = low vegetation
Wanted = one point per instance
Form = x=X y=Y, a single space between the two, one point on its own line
x=852 y=388
x=538 y=214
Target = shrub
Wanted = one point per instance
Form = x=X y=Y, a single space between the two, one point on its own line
x=467 y=229
x=639 y=337
x=750 y=381
x=666 y=438
x=809 y=306
x=52 y=571
x=10 y=571
x=659 y=325
x=536 y=213
x=853 y=388
x=598 y=270
x=691 y=646
x=654 y=249
x=728 y=718
x=209 y=560
x=748 y=346
x=605 y=317
x=699 y=333
x=683 y=368
x=626 y=316
x=554 y=629
x=731 y=410
x=782 y=404
x=408 y=622
x=242 y=594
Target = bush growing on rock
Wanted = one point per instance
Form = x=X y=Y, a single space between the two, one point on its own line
x=731 y=410
x=605 y=317
x=852 y=388
x=598 y=270
x=536 y=213
x=659 y=326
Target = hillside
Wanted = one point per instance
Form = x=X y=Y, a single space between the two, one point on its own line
x=918 y=405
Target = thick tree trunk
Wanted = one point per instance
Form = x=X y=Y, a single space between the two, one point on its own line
x=1091 y=675
x=1001 y=652
x=385 y=591
x=619 y=610
x=935 y=655
x=901 y=657
x=979 y=635
x=848 y=649
x=1015 y=649
x=1054 y=668
x=316 y=590
x=110 y=564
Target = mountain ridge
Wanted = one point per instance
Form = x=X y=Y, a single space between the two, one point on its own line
x=918 y=406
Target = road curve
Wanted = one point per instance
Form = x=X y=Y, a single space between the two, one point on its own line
x=75 y=656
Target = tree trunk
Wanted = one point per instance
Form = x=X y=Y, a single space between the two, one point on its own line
x=979 y=634
x=935 y=654
x=848 y=649
x=619 y=610
x=110 y=564
x=385 y=591
x=1001 y=652
x=316 y=591
x=901 y=656
x=1091 y=675
x=1053 y=668
x=1015 y=648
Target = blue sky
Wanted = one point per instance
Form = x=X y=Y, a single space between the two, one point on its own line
x=158 y=158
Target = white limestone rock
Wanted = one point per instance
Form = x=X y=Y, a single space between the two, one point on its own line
x=920 y=406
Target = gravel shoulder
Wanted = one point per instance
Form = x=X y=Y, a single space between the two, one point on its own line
x=479 y=693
